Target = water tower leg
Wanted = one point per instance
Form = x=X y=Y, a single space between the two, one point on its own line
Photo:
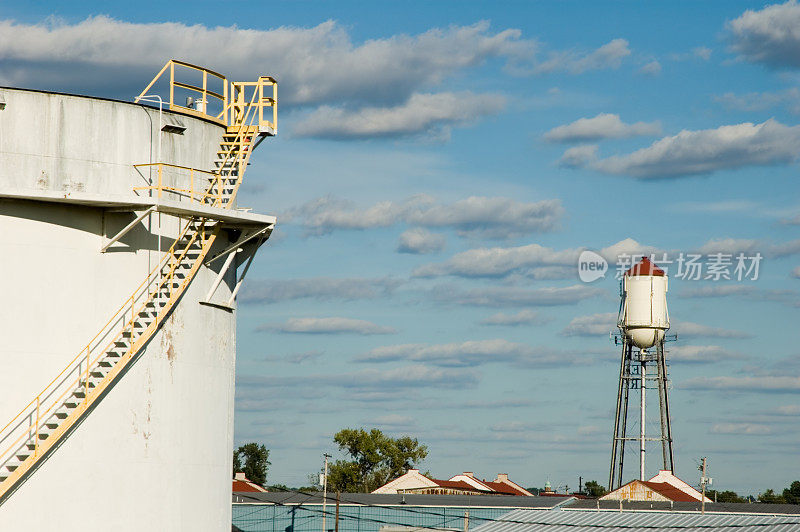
x=643 y=374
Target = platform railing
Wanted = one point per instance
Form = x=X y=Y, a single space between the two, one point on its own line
x=216 y=98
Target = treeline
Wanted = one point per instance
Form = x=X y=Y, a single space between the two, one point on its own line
x=790 y=495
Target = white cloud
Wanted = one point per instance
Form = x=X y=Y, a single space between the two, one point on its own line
x=789 y=410
x=523 y=317
x=730 y=246
x=528 y=261
x=687 y=328
x=767 y=384
x=414 y=377
x=702 y=52
x=700 y=354
x=602 y=126
x=578 y=156
x=470 y=354
x=319 y=288
x=769 y=36
x=796 y=273
x=320 y=64
x=701 y=152
x=653 y=68
x=759 y=101
x=593 y=325
x=717 y=291
x=792 y=221
x=608 y=56
x=430 y=114
x=420 y=241
x=474 y=216
x=504 y=296
x=328 y=326
x=740 y=428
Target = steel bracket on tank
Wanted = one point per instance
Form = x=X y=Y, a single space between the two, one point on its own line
x=257 y=237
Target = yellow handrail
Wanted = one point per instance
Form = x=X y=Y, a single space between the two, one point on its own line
x=230 y=99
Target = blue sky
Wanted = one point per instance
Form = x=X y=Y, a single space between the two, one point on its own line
x=439 y=167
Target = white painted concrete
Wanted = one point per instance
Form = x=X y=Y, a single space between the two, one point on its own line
x=155 y=454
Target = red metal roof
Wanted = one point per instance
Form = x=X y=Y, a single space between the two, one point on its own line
x=669 y=491
x=500 y=487
x=456 y=484
x=246 y=485
x=645 y=267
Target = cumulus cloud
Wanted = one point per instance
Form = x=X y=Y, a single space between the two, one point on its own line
x=700 y=354
x=474 y=216
x=328 y=326
x=579 y=156
x=769 y=36
x=740 y=428
x=788 y=410
x=429 y=114
x=786 y=296
x=523 y=317
x=319 y=288
x=506 y=296
x=653 y=68
x=413 y=377
x=319 y=64
x=420 y=241
x=700 y=152
x=697 y=330
x=760 y=101
x=765 y=384
x=593 y=325
x=531 y=260
x=602 y=126
x=702 y=52
x=470 y=354
x=603 y=323
x=608 y=56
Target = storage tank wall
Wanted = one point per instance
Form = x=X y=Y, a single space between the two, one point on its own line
x=154 y=454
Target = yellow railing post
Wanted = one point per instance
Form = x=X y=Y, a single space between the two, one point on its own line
x=36 y=430
x=159 y=180
x=86 y=375
x=191 y=185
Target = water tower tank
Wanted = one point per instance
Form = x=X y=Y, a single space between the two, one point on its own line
x=643 y=317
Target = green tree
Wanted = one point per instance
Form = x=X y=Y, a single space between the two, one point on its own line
x=724 y=496
x=792 y=493
x=256 y=462
x=770 y=497
x=375 y=459
x=594 y=489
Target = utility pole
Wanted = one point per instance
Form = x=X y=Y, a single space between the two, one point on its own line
x=466 y=520
x=703 y=482
x=324 y=489
x=336 y=527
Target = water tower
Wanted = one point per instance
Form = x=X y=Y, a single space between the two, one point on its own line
x=643 y=322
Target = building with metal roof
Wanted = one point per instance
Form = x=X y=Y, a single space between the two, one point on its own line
x=586 y=520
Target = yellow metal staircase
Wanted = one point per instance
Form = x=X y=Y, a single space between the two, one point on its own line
x=49 y=416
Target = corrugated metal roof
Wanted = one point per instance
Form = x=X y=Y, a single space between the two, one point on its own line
x=565 y=520
x=721 y=507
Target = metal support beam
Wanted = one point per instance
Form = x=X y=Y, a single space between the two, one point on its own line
x=244 y=273
x=125 y=229
x=239 y=243
x=221 y=274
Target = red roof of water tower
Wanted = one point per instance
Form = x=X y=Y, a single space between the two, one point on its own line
x=645 y=267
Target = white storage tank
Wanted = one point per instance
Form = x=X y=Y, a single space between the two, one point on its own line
x=644 y=318
x=153 y=453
